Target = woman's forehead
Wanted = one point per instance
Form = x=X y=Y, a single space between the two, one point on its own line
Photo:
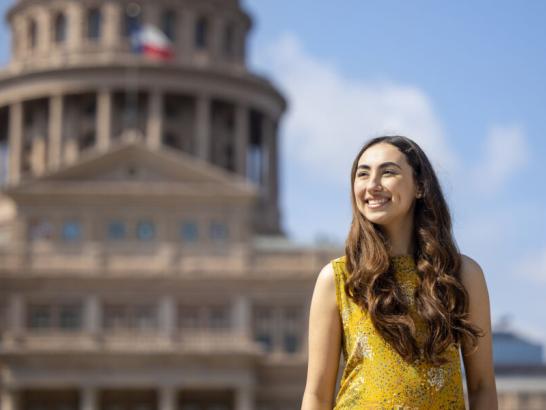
x=379 y=153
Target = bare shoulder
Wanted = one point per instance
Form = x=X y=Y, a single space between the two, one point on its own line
x=471 y=273
x=327 y=275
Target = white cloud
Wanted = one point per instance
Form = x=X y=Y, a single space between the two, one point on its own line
x=506 y=152
x=331 y=116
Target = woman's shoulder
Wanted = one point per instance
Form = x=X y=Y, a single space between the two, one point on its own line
x=471 y=272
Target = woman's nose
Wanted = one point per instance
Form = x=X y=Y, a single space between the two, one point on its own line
x=374 y=183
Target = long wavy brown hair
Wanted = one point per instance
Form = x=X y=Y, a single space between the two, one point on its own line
x=441 y=299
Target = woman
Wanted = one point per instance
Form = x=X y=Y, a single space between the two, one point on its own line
x=402 y=301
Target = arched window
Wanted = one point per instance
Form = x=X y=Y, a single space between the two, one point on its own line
x=94 y=22
x=168 y=24
x=229 y=40
x=201 y=33
x=32 y=34
x=131 y=19
x=59 y=33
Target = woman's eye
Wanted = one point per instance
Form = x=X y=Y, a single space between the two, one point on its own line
x=387 y=171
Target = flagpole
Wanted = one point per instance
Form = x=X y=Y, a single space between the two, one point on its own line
x=133 y=11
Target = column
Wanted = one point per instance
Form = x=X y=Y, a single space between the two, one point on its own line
x=89 y=398
x=44 y=31
x=167 y=316
x=55 y=127
x=15 y=133
x=17 y=316
x=242 y=316
x=167 y=398
x=269 y=151
x=111 y=31
x=216 y=36
x=244 y=398
x=75 y=21
x=92 y=315
x=104 y=119
x=38 y=155
x=7 y=399
x=185 y=36
x=155 y=119
x=241 y=138
x=203 y=118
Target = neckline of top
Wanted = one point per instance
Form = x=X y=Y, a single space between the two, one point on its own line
x=405 y=256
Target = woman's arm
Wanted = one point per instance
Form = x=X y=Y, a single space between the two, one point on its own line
x=479 y=369
x=324 y=344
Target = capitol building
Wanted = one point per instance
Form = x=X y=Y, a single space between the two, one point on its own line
x=143 y=264
x=143 y=261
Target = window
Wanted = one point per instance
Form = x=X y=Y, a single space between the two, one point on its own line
x=229 y=40
x=131 y=19
x=201 y=33
x=265 y=339
x=168 y=24
x=145 y=230
x=116 y=230
x=65 y=316
x=32 y=34
x=71 y=231
x=39 y=317
x=219 y=317
x=132 y=317
x=70 y=317
x=218 y=231
x=94 y=23
x=188 y=317
x=264 y=326
x=291 y=343
x=144 y=317
x=39 y=228
x=60 y=28
x=189 y=231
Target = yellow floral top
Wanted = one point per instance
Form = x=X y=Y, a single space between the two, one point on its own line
x=375 y=375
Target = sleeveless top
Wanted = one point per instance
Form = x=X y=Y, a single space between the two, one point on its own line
x=375 y=375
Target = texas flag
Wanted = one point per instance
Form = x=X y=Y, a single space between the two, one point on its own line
x=152 y=42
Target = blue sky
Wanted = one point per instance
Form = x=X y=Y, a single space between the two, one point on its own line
x=466 y=80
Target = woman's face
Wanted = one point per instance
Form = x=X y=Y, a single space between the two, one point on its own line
x=384 y=174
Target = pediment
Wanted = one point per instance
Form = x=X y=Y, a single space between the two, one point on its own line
x=133 y=164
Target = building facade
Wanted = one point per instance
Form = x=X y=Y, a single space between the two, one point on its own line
x=143 y=265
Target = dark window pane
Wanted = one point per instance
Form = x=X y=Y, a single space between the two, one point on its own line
x=71 y=231
x=32 y=34
x=168 y=24
x=40 y=317
x=60 y=28
x=144 y=317
x=201 y=33
x=40 y=228
x=116 y=230
x=265 y=340
x=145 y=230
x=131 y=20
x=70 y=317
x=94 y=22
x=219 y=317
x=218 y=231
x=291 y=343
x=229 y=40
x=188 y=317
x=189 y=231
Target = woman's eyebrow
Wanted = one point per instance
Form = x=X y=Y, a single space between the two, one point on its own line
x=383 y=165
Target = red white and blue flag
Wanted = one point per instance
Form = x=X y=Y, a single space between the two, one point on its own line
x=152 y=42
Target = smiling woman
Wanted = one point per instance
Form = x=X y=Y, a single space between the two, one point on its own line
x=402 y=302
